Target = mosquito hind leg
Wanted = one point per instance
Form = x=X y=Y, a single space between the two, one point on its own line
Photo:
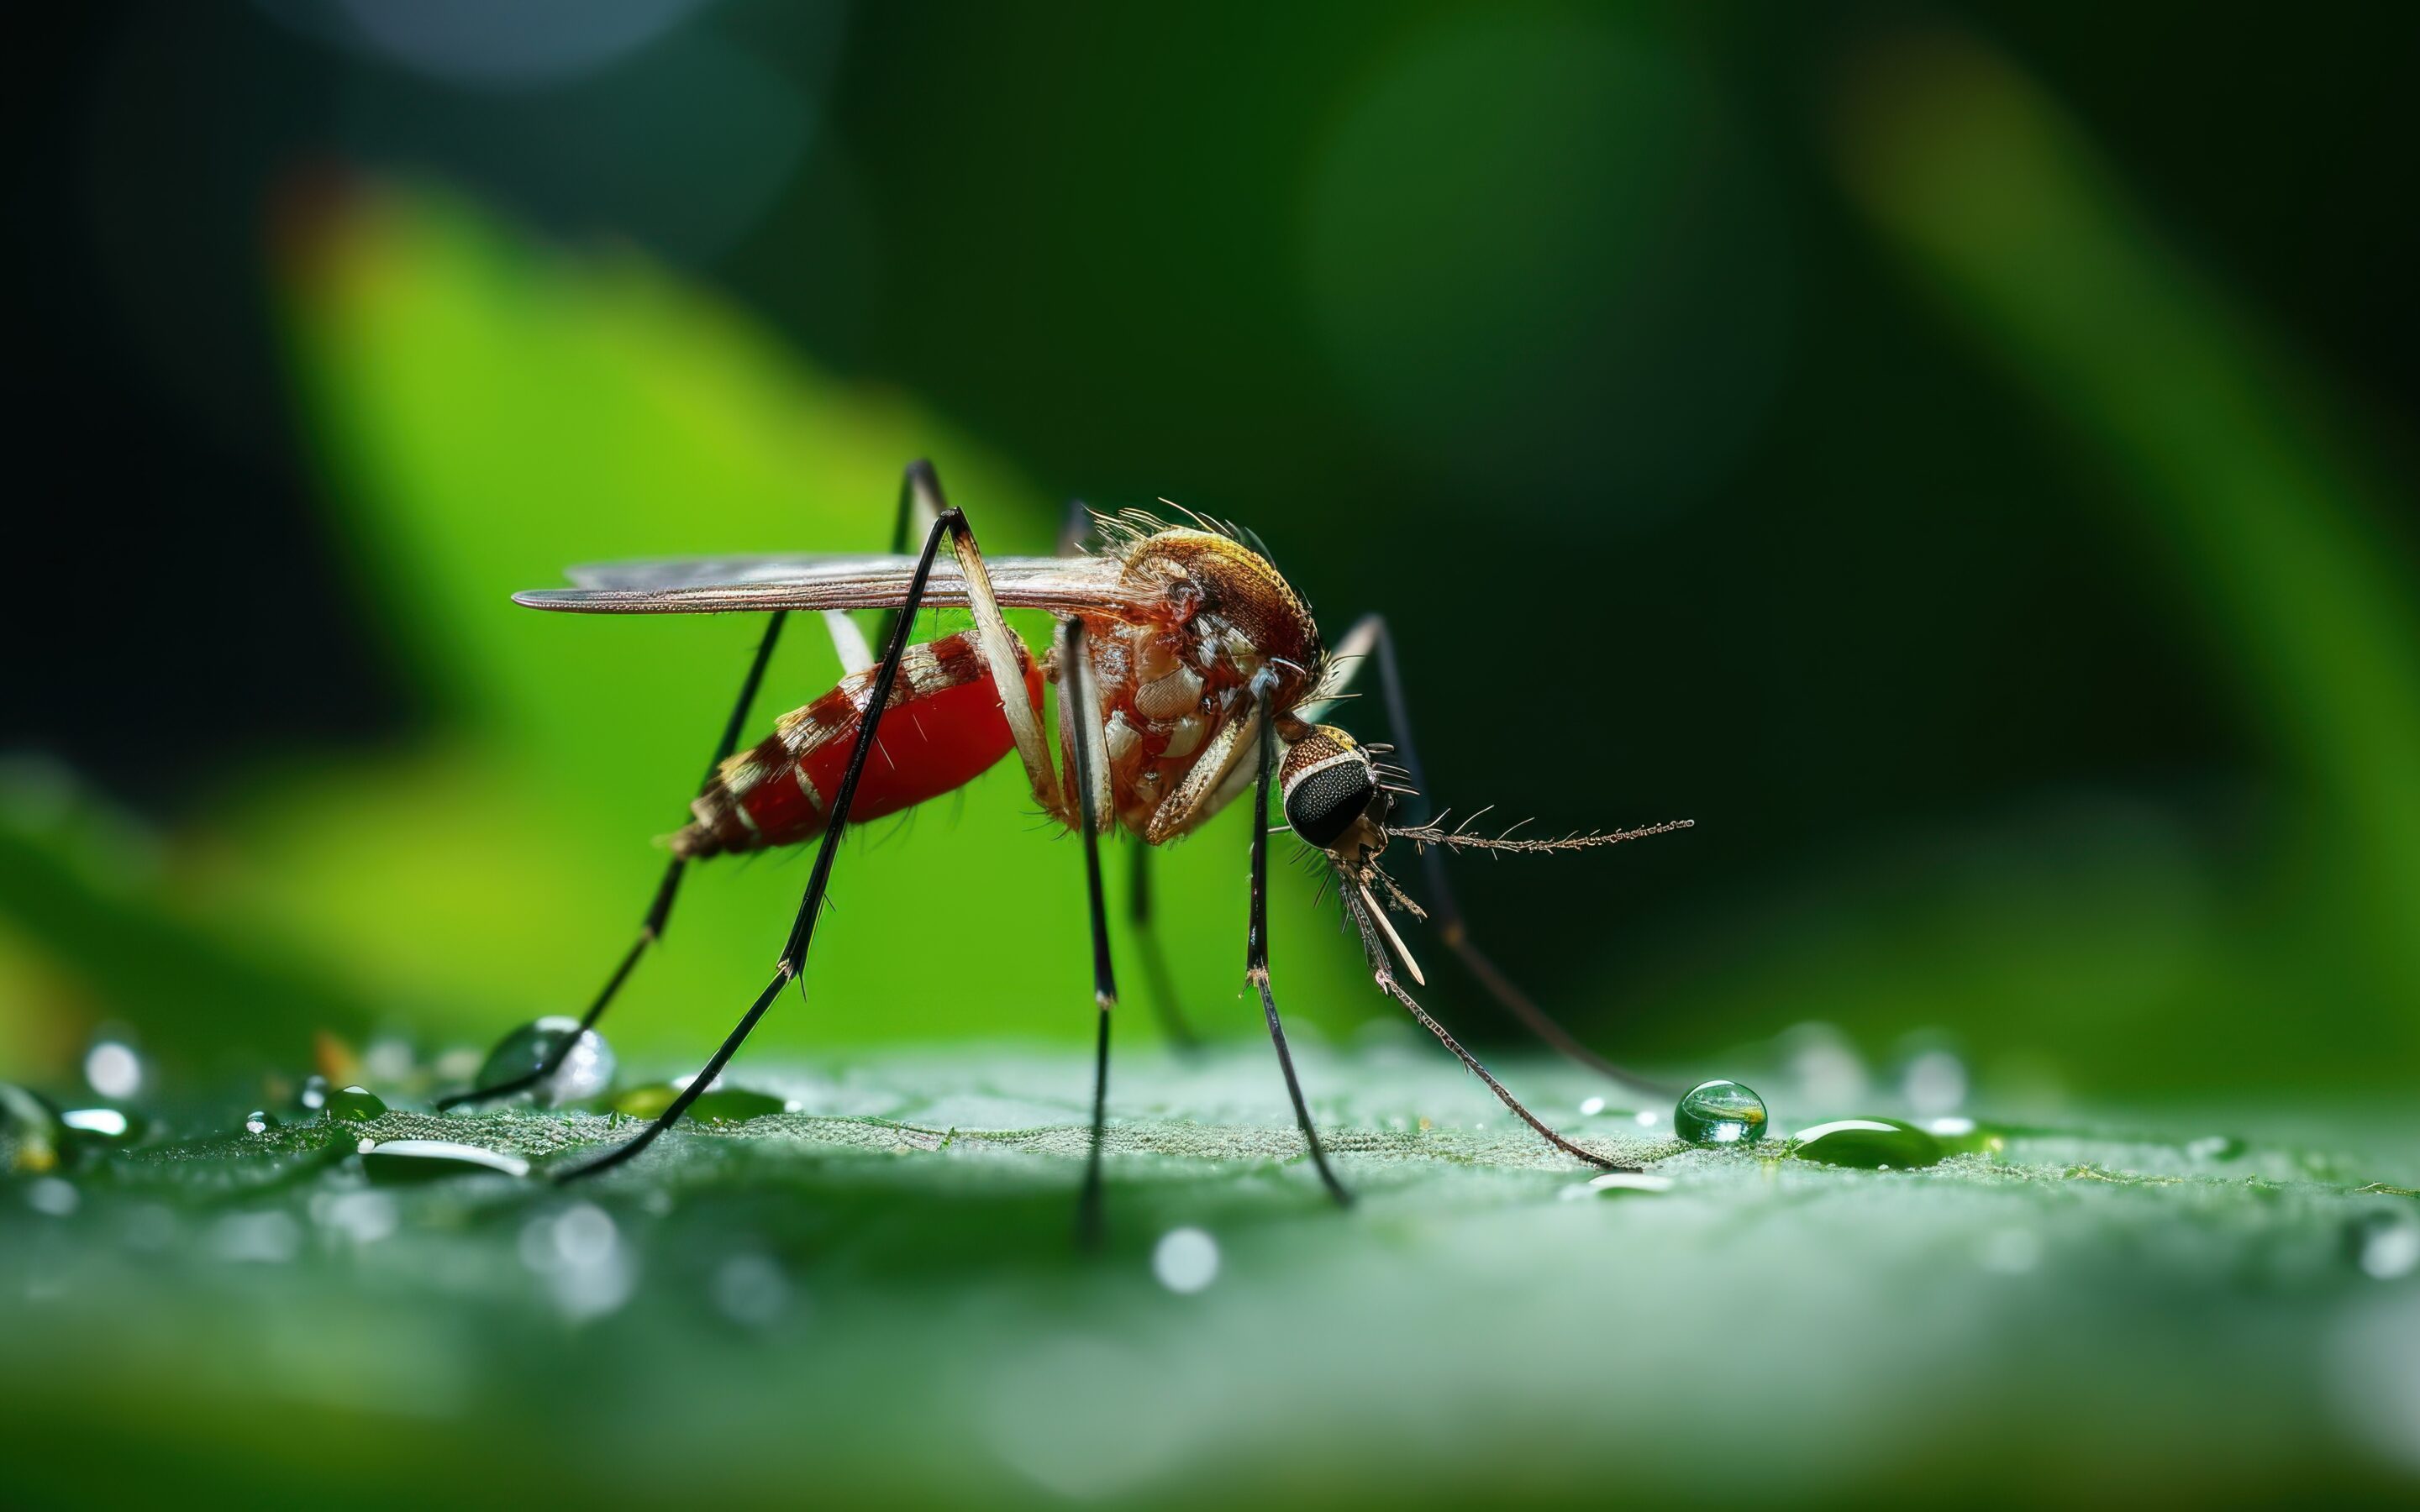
x=1256 y=961
x=1164 y=1003
x=1370 y=639
x=660 y=912
x=794 y=950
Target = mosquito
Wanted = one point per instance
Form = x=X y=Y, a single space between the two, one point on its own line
x=1189 y=672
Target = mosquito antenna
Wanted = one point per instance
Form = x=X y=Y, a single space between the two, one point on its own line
x=1463 y=840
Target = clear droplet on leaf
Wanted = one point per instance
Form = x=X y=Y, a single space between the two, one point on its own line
x=1868 y=1144
x=108 y=1126
x=1719 y=1113
x=355 y=1105
x=585 y=1073
x=260 y=1121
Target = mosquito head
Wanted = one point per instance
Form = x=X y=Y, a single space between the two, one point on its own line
x=1333 y=795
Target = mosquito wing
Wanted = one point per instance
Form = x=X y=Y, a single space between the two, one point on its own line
x=722 y=585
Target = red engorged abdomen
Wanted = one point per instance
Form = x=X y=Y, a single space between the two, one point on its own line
x=943 y=728
x=925 y=747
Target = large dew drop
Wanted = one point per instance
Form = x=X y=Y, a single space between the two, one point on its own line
x=355 y=1105
x=1869 y=1144
x=1719 y=1113
x=585 y=1073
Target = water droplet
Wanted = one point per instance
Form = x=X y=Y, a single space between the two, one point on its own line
x=113 y=1068
x=313 y=1095
x=1185 y=1260
x=581 y=1254
x=1592 y=1107
x=363 y=1217
x=108 y=1125
x=585 y=1073
x=1719 y=1113
x=1621 y=1184
x=2214 y=1147
x=724 y=1104
x=1868 y=1144
x=355 y=1105
x=268 y=1237
x=2385 y=1243
x=52 y=1196
x=1934 y=1083
x=388 y=1060
x=1829 y=1072
x=428 y=1159
x=751 y=1289
x=259 y=1122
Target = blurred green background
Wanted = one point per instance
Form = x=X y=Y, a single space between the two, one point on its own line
x=1959 y=455
x=1956 y=454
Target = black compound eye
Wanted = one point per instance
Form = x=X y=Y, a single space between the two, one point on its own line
x=1321 y=806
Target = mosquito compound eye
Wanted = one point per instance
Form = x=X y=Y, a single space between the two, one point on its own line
x=1321 y=804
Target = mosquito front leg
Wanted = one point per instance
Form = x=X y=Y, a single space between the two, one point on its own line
x=1370 y=639
x=659 y=913
x=1256 y=958
x=794 y=950
x=1384 y=971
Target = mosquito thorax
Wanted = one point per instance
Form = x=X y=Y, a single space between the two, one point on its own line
x=1249 y=614
x=1331 y=793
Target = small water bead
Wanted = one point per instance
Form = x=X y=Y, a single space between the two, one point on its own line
x=401 y=1160
x=113 y=1069
x=752 y=1290
x=259 y=1122
x=51 y=1196
x=2214 y=1147
x=1934 y=1083
x=355 y=1105
x=108 y=1126
x=2385 y=1243
x=1868 y=1144
x=313 y=1095
x=585 y=1073
x=1719 y=1113
x=1185 y=1260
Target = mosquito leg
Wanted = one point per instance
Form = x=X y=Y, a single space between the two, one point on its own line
x=659 y=913
x=1154 y=960
x=794 y=950
x=1075 y=693
x=1370 y=638
x=1256 y=961
x=1384 y=971
x=1000 y=650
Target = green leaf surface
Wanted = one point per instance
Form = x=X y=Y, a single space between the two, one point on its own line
x=878 y=1296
